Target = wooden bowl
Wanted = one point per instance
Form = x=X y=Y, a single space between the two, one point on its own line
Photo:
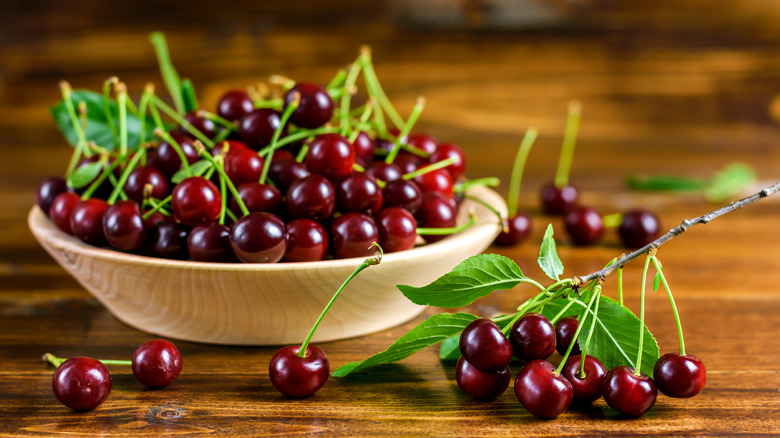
x=262 y=304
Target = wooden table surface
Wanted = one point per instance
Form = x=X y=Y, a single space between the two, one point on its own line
x=681 y=89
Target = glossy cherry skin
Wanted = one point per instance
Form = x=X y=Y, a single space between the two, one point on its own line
x=210 y=243
x=154 y=218
x=49 y=189
x=564 y=335
x=679 y=376
x=351 y=235
x=423 y=142
x=312 y=197
x=315 y=108
x=638 y=228
x=383 y=171
x=234 y=105
x=436 y=211
x=558 y=201
x=584 y=226
x=407 y=162
x=297 y=376
x=397 y=229
x=196 y=200
x=81 y=383
x=330 y=155
x=156 y=363
x=358 y=192
x=532 y=337
x=450 y=150
x=123 y=226
x=61 y=210
x=243 y=166
x=140 y=177
x=259 y=197
x=259 y=238
x=285 y=171
x=205 y=126
x=364 y=147
x=168 y=240
x=402 y=193
x=86 y=221
x=587 y=389
x=436 y=181
x=541 y=391
x=484 y=346
x=168 y=159
x=257 y=128
x=481 y=385
x=629 y=394
x=307 y=241
x=518 y=229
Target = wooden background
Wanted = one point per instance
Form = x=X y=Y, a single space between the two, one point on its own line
x=666 y=86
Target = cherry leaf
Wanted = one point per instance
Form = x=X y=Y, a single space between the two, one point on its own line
x=197 y=169
x=548 y=256
x=85 y=174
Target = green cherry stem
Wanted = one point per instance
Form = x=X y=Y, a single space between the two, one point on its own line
x=277 y=133
x=292 y=138
x=157 y=206
x=671 y=300
x=163 y=134
x=569 y=139
x=302 y=153
x=590 y=332
x=419 y=105
x=637 y=367
x=216 y=119
x=125 y=174
x=346 y=95
x=188 y=94
x=57 y=361
x=223 y=194
x=338 y=79
x=142 y=108
x=489 y=181
x=430 y=168
x=372 y=82
x=501 y=220
x=81 y=141
x=367 y=111
x=449 y=230
x=103 y=175
x=620 y=286
x=107 y=85
x=371 y=261
x=562 y=311
x=594 y=295
x=121 y=98
x=183 y=122
x=517 y=170
x=222 y=175
x=167 y=71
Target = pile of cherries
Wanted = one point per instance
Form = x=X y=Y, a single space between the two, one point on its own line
x=483 y=370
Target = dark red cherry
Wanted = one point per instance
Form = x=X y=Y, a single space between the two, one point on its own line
x=49 y=189
x=61 y=210
x=257 y=128
x=86 y=221
x=364 y=148
x=629 y=394
x=518 y=229
x=154 y=218
x=436 y=181
x=481 y=385
x=315 y=108
x=285 y=171
x=450 y=150
x=168 y=240
x=202 y=124
x=259 y=197
x=351 y=235
x=156 y=363
x=243 y=166
x=584 y=225
x=383 y=171
x=232 y=146
x=210 y=243
x=679 y=376
x=234 y=105
x=330 y=155
x=407 y=162
x=558 y=201
x=167 y=157
x=638 y=228
x=123 y=226
x=423 y=142
x=196 y=200
x=297 y=376
x=532 y=337
x=383 y=144
x=140 y=177
x=81 y=383
x=307 y=241
x=259 y=238
x=358 y=192
x=541 y=391
x=397 y=229
x=402 y=193
x=435 y=211
x=564 y=335
x=586 y=389
x=484 y=346
x=312 y=197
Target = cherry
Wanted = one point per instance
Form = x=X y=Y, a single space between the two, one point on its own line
x=541 y=391
x=259 y=197
x=168 y=240
x=364 y=148
x=484 y=346
x=243 y=166
x=234 y=105
x=156 y=363
x=315 y=108
x=307 y=241
x=283 y=154
x=564 y=335
x=397 y=229
x=587 y=389
x=436 y=211
x=330 y=155
x=351 y=235
x=61 y=210
x=450 y=150
x=210 y=243
x=257 y=128
x=423 y=142
x=202 y=124
x=407 y=162
x=532 y=337
x=629 y=394
x=124 y=226
x=384 y=144
x=49 y=189
x=154 y=218
x=140 y=177
x=232 y=145
x=638 y=228
x=81 y=383
x=258 y=238
x=311 y=197
x=196 y=200
x=167 y=157
x=358 y=192
x=438 y=181
x=584 y=225
x=383 y=171
x=679 y=376
x=285 y=171
x=481 y=385
x=558 y=201
x=297 y=376
x=402 y=193
x=86 y=221
x=519 y=228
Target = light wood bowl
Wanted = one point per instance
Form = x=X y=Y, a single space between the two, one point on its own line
x=262 y=304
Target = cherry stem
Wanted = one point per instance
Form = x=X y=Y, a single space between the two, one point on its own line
x=560 y=314
x=167 y=71
x=501 y=220
x=569 y=139
x=277 y=133
x=517 y=170
x=107 y=85
x=157 y=206
x=419 y=105
x=103 y=175
x=125 y=174
x=302 y=153
x=270 y=103
x=57 y=361
x=369 y=109
x=671 y=300
x=338 y=79
x=183 y=122
x=489 y=181
x=430 y=168
x=379 y=120
x=121 y=98
x=79 y=149
x=372 y=83
x=159 y=132
x=346 y=96
x=590 y=333
x=594 y=295
x=612 y=220
x=216 y=119
x=143 y=105
x=637 y=367
x=449 y=230
x=222 y=175
x=620 y=286
x=366 y=263
x=292 y=138
x=223 y=194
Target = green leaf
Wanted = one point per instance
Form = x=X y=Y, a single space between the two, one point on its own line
x=431 y=331
x=548 y=256
x=197 y=168
x=657 y=278
x=85 y=174
x=729 y=181
x=98 y=128
x=473 y=278
x=665 y=183
x=450 y=348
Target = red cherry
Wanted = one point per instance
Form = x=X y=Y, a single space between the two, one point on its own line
x=312 y=197
x=558 y=201
x=397 y=229
x=364 y=148
x=297 y=376
x=584 y=225
x=234 y=105
x=383 y=171
x=210 y=243
x=140 y=177
x=541 y=391
x=484 y=346
x=519 y=227
x=49 y=189
x=168 y=240
x=81 y=383
x=307 y=241
x=638 y=228
x=123 y=226
x=330 y=155
x=257 y=128
x=481 y=385
x=258 y=197
x=156 y=363
x=423 y=142
x=167 y=157
x=532 y=337
x=259 y=238
x=243 y=166
x=629 y=394
x=86 y=221
x=679 y=376
x=436 y=211
x=61 y=210
x=436 y=181
x=285 y=171
x=402 y=193
x=351 y=235
x=564 y=335
x=202 y=124
x=315 y=108
x=358 y=192
x=196 y=200
x=450 y=150
x=586 y=389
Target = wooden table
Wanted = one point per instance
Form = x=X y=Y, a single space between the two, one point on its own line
x=665 y=88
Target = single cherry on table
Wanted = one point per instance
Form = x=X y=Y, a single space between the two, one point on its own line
x=81 y=383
